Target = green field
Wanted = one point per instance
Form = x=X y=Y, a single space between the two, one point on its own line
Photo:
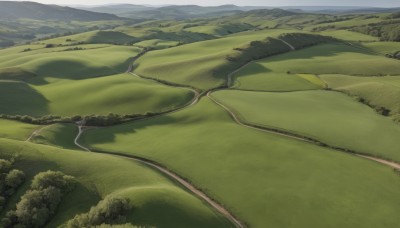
x=157 y=201
x=15 y=130
x=203 y=141
x=376 y=91
x=280 y=73
x=202 y=64
x=80 y=64
x=58 y=135
x=141 y=105
x=330 y=117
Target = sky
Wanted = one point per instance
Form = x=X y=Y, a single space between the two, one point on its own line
x=375 y=3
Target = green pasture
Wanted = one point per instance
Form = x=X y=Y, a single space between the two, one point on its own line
x=15 y=130
x=330 y=117
x=118 y=94
x=58 y=135
x=377 y=91
x=264 y=179
x=157 y=201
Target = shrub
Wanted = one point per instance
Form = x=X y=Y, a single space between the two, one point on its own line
x=50 y=45
x=5 y=166
x=35 y=207
x=12 y=181
x=53 y=179
x=111 y=210
x=39 y=203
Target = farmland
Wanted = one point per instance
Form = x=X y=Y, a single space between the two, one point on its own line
x=189 y=116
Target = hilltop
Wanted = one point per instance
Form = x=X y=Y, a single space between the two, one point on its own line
x=31 y=10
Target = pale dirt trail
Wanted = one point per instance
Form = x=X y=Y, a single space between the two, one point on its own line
x=289 y=45
x=36 y=132
x=174 y=177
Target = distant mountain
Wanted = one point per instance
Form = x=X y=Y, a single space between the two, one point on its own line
x=269 y=13
x=117 y=9
x=373 y=10
x=10 y=10
x=171 y=11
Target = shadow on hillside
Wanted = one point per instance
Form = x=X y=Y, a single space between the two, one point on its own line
x=322 y=50
x=73 y=70
x=108 y=134
x=18 y=98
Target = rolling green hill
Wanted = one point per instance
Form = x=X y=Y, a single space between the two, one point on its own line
x=221 y=116
x=157 y=201
x=260 y=177
x=30 y=10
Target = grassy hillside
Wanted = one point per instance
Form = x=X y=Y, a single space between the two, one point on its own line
x=378 y=92
x=74 y=64
x=261 y=178
x=281 y=73
x=206 y=64
x=157 y=201
x=15 y=130
x=330 y=117
x=118 y=94
x=58 y=135
x=15 y=10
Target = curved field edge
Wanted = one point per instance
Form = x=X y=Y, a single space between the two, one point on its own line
x=287 y=176
x=326 y=116
x=157 y=201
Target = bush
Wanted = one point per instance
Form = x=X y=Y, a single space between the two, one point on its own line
x=111 y=210
x=5 y=166
x=39 y=203
x=12 y=181
x=53 y=179
x=35 y=207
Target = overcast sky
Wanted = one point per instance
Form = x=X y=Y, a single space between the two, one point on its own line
x=377 y=3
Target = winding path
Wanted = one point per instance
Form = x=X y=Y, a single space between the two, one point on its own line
x=218 y=207
x=235 y=117
x=36 y=133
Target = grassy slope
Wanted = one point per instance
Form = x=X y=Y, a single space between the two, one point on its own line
x=15 y=130
x=121 y=94
x=60 y=135
x=349 y=35
x=330 y=117
x=383 y=47
x=71 y=64
x=55 y=91
x=377 y=91
x=157 y=201
x=266 y=180
x=195 y=64
x=271 y=74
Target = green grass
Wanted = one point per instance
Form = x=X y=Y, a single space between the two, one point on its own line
x=94 y=37
x=266 y=180
x=377 y=91
x=332 y=59
x=330 y=117
x=157 y=44
x=157 y=201
x=349 y=35
x=15 y=130
x=383 y=47
x=119 y=94
x=59 y=135
x=200 y=64
x=257 y=77
x=71 y=64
